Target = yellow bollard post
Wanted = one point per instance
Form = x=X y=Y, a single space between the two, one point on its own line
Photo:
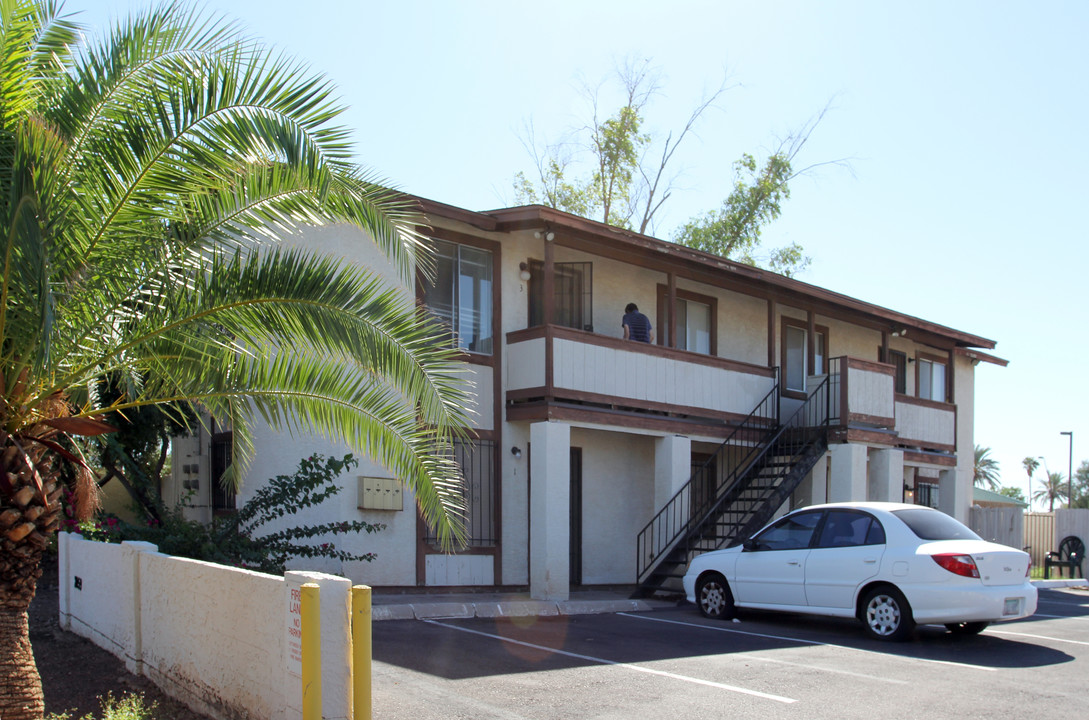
x=361 y=652
x=311 y=651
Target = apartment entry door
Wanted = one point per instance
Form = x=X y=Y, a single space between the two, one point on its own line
x=576 y=517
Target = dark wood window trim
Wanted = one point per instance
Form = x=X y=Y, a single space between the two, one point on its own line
x=810 y=359
x=668 y=321
x=494 y=361
x=497 y=320
x=941 y=360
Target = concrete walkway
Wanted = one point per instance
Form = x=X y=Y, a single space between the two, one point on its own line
x=424 y=606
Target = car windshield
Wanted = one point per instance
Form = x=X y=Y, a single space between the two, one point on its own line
x=934 y=525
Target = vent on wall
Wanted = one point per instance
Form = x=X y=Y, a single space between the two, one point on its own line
x=380 y=494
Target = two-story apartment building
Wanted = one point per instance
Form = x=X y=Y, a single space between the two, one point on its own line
x=604 y=461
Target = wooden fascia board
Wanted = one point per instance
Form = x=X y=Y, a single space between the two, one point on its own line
x=982 y=357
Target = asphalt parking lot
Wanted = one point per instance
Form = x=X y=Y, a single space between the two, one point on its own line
x=674 y=663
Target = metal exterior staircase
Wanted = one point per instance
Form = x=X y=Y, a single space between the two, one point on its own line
x=736 y=491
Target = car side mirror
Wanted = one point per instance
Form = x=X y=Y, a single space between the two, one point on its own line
x=750 y=545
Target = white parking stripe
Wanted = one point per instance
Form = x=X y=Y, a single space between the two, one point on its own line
x=629 y=666
x=1037 y=637
x=808 y=642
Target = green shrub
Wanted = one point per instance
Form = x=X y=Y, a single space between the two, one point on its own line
x=128 y=707
x=237 y=539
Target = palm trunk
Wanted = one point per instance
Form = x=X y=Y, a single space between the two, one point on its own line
x=29 y=515
x=20 y=686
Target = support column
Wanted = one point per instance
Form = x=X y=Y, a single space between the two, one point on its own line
x=550 y=508
x=672 y=467
x=886 y=475
x=813 y=489
x=847 y=473
x=951 y=500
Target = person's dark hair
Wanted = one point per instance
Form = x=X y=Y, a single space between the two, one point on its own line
x=632 y=307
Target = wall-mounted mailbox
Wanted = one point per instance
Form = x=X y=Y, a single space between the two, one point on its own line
x=380 y=494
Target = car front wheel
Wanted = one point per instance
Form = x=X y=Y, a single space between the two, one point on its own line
x=714 y=597
x=886 y=615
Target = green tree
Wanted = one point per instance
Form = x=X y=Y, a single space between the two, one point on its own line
x=1081 y=486
x=1014 y=493
x=1030 y=464
x=631 y=180
x=145 y=178
x=986 y=470
x=1054 y=489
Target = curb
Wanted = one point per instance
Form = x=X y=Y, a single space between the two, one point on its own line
x=512 y=608
x=1047 y=584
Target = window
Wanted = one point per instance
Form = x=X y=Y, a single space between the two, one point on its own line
x=797 y=364
x=790 y=533
x=477 y=462
x=844 y=528
x=931 y=384
x=223 y=499
x=462 y=294
x=572 y=288
x=696 y=320
x=934 y=525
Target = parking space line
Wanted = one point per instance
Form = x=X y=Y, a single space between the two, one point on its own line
x=1037 y=637
x=808 y=642
x=629 y=666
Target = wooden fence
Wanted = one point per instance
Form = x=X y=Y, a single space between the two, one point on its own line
x=1039 y=536
x=1003 y=525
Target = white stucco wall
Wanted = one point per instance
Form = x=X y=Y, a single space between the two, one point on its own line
x=617 y=501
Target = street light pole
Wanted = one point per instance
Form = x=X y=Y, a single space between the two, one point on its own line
x=1070 y=471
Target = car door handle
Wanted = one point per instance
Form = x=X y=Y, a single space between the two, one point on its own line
x=793 y=562
x=870 y=561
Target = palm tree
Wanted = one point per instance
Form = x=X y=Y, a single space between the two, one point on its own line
x=1030 y=464
x=145 y=177
x=986 y=468
x=1054 y=489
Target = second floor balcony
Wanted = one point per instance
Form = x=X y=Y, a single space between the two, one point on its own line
x=868 y=409
x=563 y=373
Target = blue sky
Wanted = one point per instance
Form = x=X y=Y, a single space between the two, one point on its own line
x=965 y=125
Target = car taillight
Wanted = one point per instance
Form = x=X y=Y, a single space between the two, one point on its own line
x=962 y=565
x=1029 y=568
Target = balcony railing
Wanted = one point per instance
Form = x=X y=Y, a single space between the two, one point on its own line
x=864 y=399
x=567 y=365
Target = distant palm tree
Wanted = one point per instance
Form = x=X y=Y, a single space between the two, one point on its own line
x=1054 y=489
x=1030 y=464
x=986 y=469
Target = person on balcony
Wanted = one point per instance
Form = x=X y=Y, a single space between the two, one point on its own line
x=637 y=325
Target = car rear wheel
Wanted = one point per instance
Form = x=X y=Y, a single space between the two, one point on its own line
x=886 y=615
x=714 y=597
x=966 y=628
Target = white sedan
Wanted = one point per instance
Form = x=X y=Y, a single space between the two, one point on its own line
x=890 y=565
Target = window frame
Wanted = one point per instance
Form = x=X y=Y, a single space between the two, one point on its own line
x=422 y=286
x=582 y=297
x=811 y=352
x=664 y=337
x=932 y=360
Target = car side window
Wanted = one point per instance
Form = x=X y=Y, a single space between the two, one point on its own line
x=845 y=528
x=790 y=533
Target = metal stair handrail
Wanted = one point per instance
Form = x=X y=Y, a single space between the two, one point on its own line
x=760 y=423
x=811 y=419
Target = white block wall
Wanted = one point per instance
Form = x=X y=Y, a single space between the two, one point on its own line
x=211 y=636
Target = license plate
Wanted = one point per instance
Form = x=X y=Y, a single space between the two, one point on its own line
x=1013 y=606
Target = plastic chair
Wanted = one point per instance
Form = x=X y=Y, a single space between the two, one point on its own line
x=1069 y=555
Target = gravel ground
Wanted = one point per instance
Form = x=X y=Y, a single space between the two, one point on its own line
x=75 y=672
